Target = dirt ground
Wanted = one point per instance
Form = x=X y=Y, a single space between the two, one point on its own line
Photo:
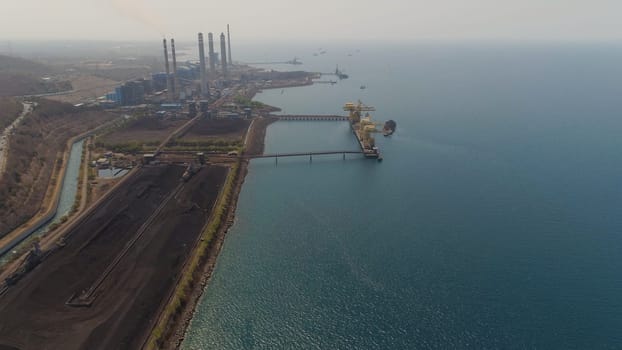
x=216 y=128
x=255 y=142
x=10 y=109
x=86 y=87
x=148 y=130
x=34 y=313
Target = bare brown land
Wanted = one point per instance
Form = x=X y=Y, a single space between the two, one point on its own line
x=122 y=73
x=34 y=313
x=212 y=135
x=216 y=128
x=257 y=134
x=22 y=84
x=140 y=134
x=36 y=148
x=10 y=109
x=86 y=87
x=19 y=76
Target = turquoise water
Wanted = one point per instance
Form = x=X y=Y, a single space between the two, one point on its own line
x=493 y=221
x=67 y=196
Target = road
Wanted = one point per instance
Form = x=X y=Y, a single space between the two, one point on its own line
x=4 y=137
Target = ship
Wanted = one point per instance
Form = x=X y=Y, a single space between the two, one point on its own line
x=389 y=128
x=341 y=75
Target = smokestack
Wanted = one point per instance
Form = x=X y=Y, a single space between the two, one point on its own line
x=168 y=71
x=223 y=54
x=212 y=55
x=204 y=91
x=175 y=80
x=229 y=46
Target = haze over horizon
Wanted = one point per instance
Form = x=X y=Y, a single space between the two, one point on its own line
x=396 y=20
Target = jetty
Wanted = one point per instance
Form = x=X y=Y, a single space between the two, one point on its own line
x=314 y=117
x=361 y=127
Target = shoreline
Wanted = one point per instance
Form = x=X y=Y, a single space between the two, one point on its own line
x=177 y=328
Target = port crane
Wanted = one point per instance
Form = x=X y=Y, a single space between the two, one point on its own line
x=364 y=126
x=356 y=110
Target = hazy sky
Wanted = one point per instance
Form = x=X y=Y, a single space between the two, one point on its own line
x=287 y=19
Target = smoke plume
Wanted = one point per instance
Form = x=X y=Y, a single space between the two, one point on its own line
x=139 y=11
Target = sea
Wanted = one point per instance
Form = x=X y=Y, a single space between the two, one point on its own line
x=493 y=222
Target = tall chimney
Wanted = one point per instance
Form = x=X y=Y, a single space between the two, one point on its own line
x=212 y=55
x=229 y=46
x=204 y=91
x=168 y=71
x=175 y=79
x=223 y=54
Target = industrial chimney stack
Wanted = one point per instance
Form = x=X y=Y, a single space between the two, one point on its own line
x=229 y=46
x=204 y=91
x=212 y=55
x=175 y=79
x=168 y=71
x=223 y=54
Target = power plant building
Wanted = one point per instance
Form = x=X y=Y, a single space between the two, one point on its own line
x=129 y=94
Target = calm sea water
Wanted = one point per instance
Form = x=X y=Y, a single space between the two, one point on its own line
x=493 y=222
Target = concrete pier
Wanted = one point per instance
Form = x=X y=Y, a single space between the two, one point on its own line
x=318 y=117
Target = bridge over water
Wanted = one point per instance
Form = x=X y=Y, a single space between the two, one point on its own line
x=299 y=154
x=276 y=156
x=314 y=117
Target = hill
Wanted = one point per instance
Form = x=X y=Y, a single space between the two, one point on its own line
x=10 y=109
x=19 y=76
x=35 y=151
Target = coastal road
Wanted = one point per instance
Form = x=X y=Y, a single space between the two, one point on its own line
x=4 y=137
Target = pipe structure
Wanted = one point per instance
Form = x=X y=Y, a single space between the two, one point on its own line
x=204 y=90
x=229 y=46
x=175 y=78
x=212 y=55
x=168 y=71
x=223 y=54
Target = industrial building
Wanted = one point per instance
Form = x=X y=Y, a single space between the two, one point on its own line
x=131 y=93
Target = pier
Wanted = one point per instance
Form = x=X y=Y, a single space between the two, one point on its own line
x=276 y=156
x=315 y=117
x=299 y=154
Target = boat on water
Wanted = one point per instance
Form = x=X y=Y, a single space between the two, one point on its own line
x=389 y=127
x=363 y=87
